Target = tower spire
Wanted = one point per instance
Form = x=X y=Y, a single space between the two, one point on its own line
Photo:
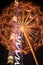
x=16 y=2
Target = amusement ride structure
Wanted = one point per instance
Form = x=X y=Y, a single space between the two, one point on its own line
x=21 y=26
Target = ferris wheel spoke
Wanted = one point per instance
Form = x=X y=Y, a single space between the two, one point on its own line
x=32 y=35
x=26 y=19
x=31 y=20
x=30 y=26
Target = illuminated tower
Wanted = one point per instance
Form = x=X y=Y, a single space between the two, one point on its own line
x=22 y=18
x=16 y=40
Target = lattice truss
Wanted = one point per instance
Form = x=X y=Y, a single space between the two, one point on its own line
x=31 y=17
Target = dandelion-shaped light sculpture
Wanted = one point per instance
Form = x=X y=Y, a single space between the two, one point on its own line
x=24 y=28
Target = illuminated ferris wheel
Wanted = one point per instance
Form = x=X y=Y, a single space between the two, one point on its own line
x=29 y=18
x=29 y=23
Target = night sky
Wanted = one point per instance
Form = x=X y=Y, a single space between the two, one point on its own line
x=28 y=59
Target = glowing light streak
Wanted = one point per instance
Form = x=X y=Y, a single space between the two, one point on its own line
x=26 y=18
x=30 y=20
x=26 y=36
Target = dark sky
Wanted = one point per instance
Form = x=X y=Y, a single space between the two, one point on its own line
x=28 y=59
x=4 y=3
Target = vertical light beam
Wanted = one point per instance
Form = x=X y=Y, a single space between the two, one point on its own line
x=32 y=51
